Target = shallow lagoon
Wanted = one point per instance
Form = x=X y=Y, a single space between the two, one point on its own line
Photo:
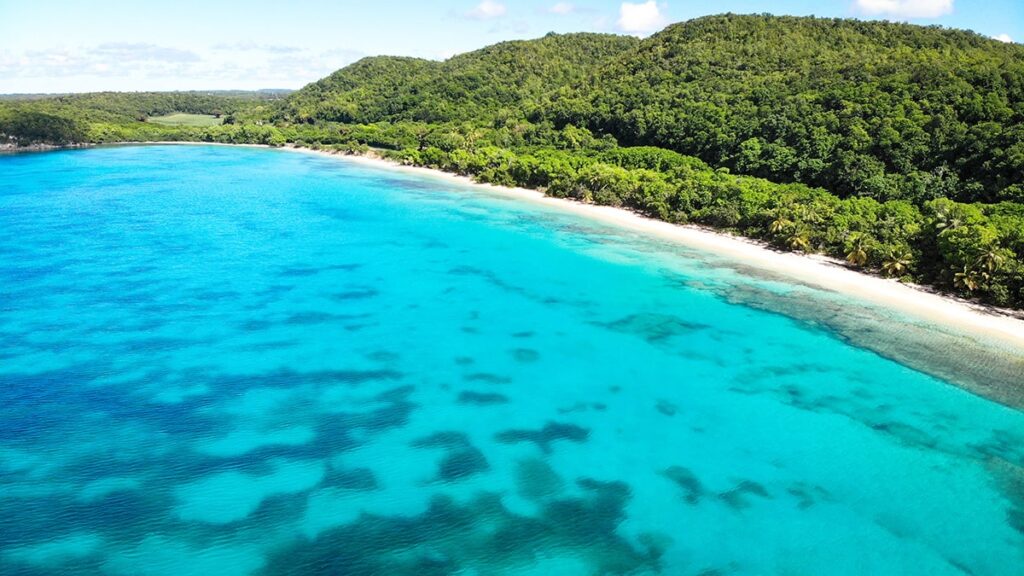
x=246 y=361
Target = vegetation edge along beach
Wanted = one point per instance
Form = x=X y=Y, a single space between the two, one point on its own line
x=902 y=154
x=819 y=270
x=994 y=337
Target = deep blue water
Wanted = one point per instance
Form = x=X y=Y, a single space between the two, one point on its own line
x=244 y=361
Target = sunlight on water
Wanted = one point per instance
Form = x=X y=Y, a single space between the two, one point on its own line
x=238 y=361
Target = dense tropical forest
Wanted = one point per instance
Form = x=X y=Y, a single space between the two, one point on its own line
x=897 y=148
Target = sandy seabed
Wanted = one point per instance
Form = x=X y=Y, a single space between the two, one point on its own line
x=816 y=270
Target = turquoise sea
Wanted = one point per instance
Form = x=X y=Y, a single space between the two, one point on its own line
x=236 y=361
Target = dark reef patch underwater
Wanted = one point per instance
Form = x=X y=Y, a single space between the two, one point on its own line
x=275 y=363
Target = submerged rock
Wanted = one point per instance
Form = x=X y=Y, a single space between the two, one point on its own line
x=481 y=398
x=442 y=439
x=462 y=463
x=1015 y=518
x=487 y=377
x=525 y=355
x=653 y=327
x=355 y=294
x=544 y=437
x=737 y=497
x=807 y=494
x=667 y=408
x=478 y=537
x=693 y=490
x=536 y=480
x=398 y=394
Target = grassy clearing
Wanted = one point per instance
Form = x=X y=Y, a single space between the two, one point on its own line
x=179 y=119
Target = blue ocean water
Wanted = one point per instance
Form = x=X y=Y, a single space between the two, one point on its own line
x=245 y=361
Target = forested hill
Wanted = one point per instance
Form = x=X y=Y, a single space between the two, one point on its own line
x=895 y=147
x=876 y=109
x=470 y=86
x=116 y=116
x=120 y=106
x=873 y=109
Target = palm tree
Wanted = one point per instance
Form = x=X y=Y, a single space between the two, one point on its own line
x=896 y=262
x=944 y=220
x=472 y=136
x=859 y=248
x=969 y=279
x=780 y=225
x=798 y=241
x=991 y=259
x=808 y=213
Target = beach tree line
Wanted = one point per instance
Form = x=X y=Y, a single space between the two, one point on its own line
x=896 y=148
x=973 y=249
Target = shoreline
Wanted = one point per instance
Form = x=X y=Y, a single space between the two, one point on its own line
x=813 y=269
x=817 y=270
x=8 y=148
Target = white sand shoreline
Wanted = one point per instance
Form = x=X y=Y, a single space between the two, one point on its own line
x=816 y=270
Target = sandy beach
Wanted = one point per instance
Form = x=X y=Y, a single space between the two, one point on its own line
x=812 y=269
x=917 y=301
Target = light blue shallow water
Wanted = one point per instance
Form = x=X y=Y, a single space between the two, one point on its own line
x=241 y=361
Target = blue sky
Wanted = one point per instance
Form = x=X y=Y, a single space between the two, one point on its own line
x=83 y=45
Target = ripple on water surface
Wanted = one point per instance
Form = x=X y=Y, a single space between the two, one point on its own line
x=274 y=363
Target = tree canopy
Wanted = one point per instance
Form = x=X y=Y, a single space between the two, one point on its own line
x=875 y=109
x=472 y=86
x=896 y=148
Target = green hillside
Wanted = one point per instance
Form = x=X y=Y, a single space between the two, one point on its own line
x=889 y=111
x=471 y=86
x=897 y=148
x=132 y=106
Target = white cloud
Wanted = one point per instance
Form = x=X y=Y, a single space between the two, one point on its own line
x=515 y=26
x=1003 y=38
x=140 y=52
x=141 y=66
x=562 y=8
x=641 y=18
x=905 y=8
x=254 y=46
x=487 y=10
x=106 y=59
